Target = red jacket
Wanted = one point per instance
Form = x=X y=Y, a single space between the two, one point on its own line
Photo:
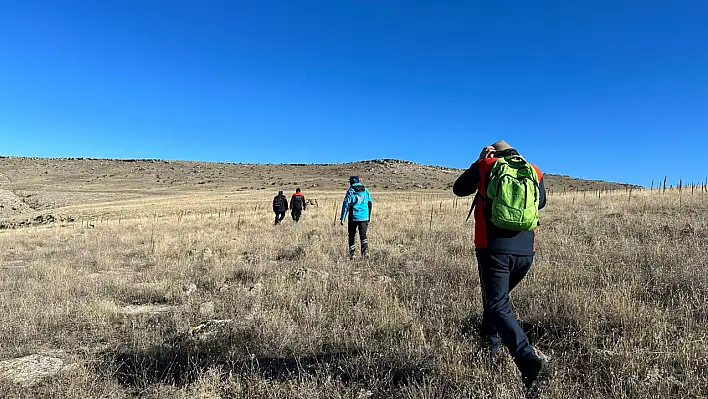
x=298 y=202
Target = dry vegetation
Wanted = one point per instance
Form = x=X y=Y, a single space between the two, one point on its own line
x=617 y=299
x=35 y=186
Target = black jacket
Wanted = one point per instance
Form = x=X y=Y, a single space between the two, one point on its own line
x=297 y=202
x=280 y=203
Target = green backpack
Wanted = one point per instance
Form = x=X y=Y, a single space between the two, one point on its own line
x=514 y=194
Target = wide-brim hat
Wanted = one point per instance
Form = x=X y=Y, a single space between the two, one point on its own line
x=502 y=145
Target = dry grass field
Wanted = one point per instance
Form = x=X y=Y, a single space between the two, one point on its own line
x=197 y=295
x=37 y=186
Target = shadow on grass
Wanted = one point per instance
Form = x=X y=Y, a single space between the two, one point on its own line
x=181 y=360
x=287 y=254
x=556 y=331
x=577 y=354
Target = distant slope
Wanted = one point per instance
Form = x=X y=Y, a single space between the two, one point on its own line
x=45 y=183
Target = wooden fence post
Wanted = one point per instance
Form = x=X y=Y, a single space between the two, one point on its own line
x=432 y=210
x=664 y=185
x=335 y=213
x=680 y=186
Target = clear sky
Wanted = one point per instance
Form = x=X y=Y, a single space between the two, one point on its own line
x=607 y=89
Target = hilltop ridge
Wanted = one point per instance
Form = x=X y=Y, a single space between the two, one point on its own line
x=29 y=184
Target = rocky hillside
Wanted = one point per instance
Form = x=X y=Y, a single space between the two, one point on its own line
x=156 y=175
x=34 y=184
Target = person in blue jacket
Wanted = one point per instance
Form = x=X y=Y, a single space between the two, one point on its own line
x=357 y=205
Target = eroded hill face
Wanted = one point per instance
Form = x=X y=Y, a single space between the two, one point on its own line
x=30 y=185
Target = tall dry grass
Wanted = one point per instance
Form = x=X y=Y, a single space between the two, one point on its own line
x=617 y=299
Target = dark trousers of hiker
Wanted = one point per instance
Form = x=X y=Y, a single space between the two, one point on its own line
x=296 y=213
x=279 y=216
x=362 y=227
x=499 y=274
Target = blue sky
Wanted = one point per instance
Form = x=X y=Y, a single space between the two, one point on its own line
x=613 y=90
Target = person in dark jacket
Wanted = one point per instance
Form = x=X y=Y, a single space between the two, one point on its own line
x=504 y=257
x=297 y=205
x=357 y=205
x=280 y=207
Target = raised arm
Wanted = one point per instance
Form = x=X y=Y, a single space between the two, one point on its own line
x=467 y=183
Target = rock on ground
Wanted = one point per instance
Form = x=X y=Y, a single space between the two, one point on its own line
x=146 y=309
x=207 y=309
x=12 y=205
x=30 y=370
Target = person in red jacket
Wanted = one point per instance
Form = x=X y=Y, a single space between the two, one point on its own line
x=504 y=257
x=297 y=205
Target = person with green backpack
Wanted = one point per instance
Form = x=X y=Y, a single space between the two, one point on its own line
x=509 y=194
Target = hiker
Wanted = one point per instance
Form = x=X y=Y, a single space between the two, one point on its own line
x=510 y=192
x=357 y=205
x=297 y=205
x=280 y=206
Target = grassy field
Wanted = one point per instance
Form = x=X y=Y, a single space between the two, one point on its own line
x=31 y=186
x=198 y=295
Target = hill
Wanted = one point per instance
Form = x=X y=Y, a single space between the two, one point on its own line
x=30 y=185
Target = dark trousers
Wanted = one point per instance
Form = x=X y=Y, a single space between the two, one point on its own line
x=279 y=216
x=499 y=274
x=296 y=213
x=362 y=227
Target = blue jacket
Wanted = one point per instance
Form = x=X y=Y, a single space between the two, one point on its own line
x=357 y=203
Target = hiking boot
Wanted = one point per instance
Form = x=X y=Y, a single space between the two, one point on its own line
x=535 y=373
